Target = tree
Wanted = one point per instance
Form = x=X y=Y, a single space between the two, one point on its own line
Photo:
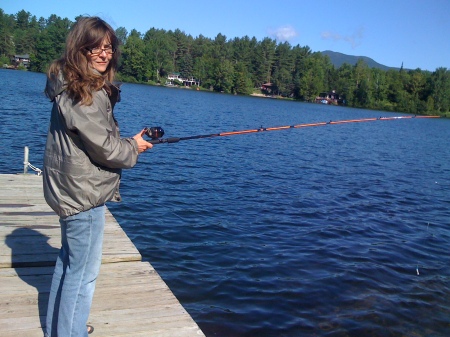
x=242 y=51
x=299 y=55
x=220 y=50
x=379 y=88
x=186 y=66
x=159 y=46
x=133 y=64
x=223 y=76
x=202 y=58
x=44 y=53
x=344 y=84
x=7 y=25
x=20 y=41
x=361 y=85
x=122 y=35
x=283 y=67
x=200 y=71
x=311 y=79
x=242 y=83
x=23 y=19
x=25 y=33
x=182 y=46
x=263 y=61
x=440 y=84
x=50 y=43
x=363 y=93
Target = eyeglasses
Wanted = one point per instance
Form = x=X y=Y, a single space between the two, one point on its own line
x=98 y=51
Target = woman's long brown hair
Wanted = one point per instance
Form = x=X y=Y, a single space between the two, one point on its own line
x=82 y=81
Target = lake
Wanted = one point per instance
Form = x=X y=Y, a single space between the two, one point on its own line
x=335 y=230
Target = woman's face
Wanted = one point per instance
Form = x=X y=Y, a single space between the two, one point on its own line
x=101 y=56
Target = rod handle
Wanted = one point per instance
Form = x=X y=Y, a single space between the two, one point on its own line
x=164 y=140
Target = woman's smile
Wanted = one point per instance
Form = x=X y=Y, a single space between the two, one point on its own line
x=101 y=56
x=100 y=65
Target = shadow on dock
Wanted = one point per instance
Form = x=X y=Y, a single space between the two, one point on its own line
x=15 y=241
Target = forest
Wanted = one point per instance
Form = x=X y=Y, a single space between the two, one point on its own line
x=239 y=65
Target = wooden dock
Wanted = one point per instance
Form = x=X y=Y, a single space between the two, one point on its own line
x=130 y=299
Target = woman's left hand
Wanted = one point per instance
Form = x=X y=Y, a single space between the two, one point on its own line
x=143 y=145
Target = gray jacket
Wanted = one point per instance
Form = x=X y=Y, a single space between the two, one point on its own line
x=84 y=154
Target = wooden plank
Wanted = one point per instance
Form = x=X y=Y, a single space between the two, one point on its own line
x=30 y=232
x=130 y=299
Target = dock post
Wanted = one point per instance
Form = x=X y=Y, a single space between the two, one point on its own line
x=25 y=160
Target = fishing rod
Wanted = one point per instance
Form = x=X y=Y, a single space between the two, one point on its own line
x=156 y=133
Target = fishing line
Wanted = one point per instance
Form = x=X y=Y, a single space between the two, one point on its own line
x=156 y=133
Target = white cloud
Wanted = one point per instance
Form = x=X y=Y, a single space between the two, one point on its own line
x=284 y=33
x=354 y=39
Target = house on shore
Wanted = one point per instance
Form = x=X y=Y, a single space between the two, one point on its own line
x=175 y=78
x=18 y=60
x=330 y=98
x=268 y=88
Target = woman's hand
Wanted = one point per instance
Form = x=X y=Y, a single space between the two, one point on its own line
x=143 y=145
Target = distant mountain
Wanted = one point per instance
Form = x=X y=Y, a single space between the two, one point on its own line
x=338 y=59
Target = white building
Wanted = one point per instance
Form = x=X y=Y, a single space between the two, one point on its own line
x=185 y=81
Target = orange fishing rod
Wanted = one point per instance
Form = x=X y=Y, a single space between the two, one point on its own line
x=155 y=133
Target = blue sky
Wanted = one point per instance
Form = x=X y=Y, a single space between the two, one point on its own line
x=415 y=32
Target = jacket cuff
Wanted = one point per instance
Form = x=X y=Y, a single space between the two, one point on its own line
x=133 y=142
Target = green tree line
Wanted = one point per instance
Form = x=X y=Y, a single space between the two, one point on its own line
x=239 y=65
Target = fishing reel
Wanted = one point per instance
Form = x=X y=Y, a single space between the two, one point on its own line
x=154 y=132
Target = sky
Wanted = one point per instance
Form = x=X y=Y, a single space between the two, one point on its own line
x=415 y=33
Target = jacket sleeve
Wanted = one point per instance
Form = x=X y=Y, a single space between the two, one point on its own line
x=96 y=129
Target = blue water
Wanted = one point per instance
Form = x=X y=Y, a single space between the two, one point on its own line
x=336 y=230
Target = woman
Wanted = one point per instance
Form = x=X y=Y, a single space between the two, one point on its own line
x=84 y=156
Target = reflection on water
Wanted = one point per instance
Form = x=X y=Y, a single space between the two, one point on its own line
x=337 y=230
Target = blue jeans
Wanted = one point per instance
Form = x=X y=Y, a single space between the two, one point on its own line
x=76 y=271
